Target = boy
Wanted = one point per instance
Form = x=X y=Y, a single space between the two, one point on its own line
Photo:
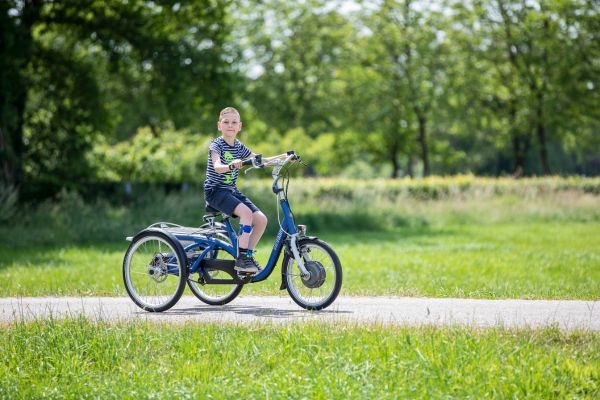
x=225 y=157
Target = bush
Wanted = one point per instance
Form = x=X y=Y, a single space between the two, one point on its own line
x=8 y=202
x=334 y=205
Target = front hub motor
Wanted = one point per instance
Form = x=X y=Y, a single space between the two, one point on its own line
x=316 y=275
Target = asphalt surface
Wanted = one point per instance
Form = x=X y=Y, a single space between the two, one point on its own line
x=563 y=314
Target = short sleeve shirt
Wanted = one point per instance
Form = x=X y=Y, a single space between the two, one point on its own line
x=227 y=154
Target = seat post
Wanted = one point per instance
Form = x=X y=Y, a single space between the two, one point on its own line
x=212 y=213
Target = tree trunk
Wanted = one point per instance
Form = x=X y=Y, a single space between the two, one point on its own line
x=423 y=144
x=541 y=125
x=16 y=49
x=393 y=154
x=395 y=167
x=541 y=135
x=518 y=156
x=519 y=142
x=410 y=170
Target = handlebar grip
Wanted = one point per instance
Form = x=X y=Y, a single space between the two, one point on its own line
x=292 y=153
x=255 y=161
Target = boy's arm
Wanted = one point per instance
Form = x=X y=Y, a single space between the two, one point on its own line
x=220 y=167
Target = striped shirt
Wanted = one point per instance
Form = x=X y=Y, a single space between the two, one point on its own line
x=227 y=154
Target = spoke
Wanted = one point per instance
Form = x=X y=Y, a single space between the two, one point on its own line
x=140 y=273
x=156 y=289
x=313 y=295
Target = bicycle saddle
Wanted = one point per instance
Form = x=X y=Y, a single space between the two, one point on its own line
x=213 y=211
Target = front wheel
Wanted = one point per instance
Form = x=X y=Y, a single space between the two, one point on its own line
x=154 y=271
x=320 y=288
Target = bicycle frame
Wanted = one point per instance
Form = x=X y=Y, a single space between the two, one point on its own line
x=287 y=229
x=156 y=278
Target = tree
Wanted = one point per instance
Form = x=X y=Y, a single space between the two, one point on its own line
x=407 y=51
x=533 y=68
x=294 y=52
x=16 y=49
x=71 y=71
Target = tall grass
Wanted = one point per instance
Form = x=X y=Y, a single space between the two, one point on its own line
x=541 y=260
x=79 y=359
x=483 y=238
x=325 y=205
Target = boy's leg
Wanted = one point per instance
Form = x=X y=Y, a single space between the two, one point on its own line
x=245 y=262
x=259 y=221
x=232 y=203
x=259 y=224
x=245 y=215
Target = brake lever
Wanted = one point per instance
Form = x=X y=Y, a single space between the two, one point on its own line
x=251 y=168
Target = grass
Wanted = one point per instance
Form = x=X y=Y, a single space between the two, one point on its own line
x=539 y=260
x=460 y=237
x=471 y=237
x=80 y=359
x=325 y=205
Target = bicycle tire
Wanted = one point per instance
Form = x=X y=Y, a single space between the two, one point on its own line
x=322 y=288
x=201 y=291
x=154 y=271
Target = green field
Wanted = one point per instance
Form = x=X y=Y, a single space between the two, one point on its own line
x=462 y=237
x=77 y=359
x=516 y=260
x=479 y=239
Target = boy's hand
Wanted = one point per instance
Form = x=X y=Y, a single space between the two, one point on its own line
x=237 y=163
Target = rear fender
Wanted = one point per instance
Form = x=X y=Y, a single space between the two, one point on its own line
x=170 y=236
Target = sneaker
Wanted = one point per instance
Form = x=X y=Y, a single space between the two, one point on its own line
x=256 y=264
x=246 y=264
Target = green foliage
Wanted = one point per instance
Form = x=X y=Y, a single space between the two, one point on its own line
x=485 y=87
x=460 y=237
x=296 y=51
x=79 y=71
x=77 y=358
x=324 y=204
x=168 y=156
x=371 y=89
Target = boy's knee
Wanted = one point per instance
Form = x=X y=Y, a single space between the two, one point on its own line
x=259 y=218
x=243 y=212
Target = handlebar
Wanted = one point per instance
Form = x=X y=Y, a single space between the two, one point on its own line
x=257 y=162
x=278 y=163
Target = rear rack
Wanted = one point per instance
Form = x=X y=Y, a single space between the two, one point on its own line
x=176 y=229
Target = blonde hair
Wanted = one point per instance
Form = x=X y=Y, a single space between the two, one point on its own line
x=229 y=110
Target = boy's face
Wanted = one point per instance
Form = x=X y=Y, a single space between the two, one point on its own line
x=229 y=124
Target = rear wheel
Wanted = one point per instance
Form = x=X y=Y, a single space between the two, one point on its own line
x=321 y=286
x=154 y=271
x=215 y=294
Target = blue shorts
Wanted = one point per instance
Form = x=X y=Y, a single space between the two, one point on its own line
x=226 y=200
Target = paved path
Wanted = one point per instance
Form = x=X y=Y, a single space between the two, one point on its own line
x=564 y=314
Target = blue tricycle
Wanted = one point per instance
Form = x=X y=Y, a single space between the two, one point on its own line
x=162 y=258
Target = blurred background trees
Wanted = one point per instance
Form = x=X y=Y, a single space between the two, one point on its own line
x=129 y=90
x=74 y=73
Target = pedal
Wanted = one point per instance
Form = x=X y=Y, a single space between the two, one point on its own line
x=245 y=277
